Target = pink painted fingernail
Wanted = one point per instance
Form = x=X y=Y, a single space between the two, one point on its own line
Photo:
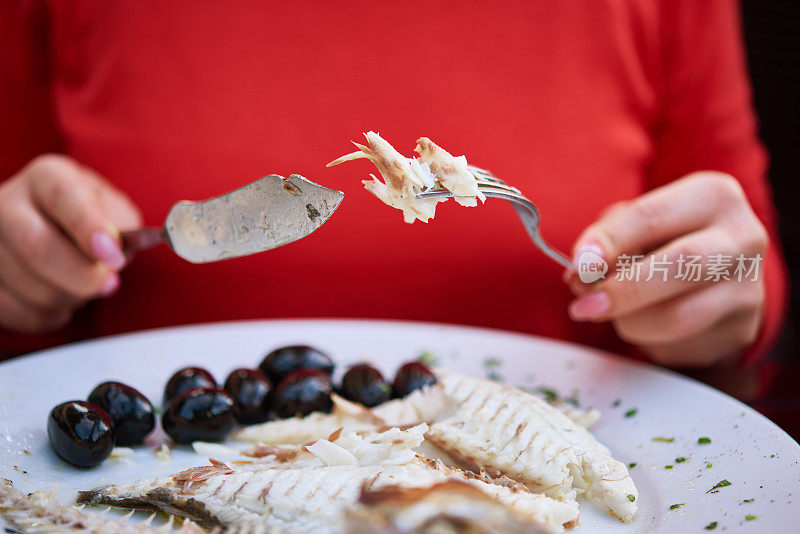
x=590 y=306
x=591 y=246
x=107 y=250
x=110 y=286
x=589 y=263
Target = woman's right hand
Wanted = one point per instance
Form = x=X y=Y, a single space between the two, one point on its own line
x=59 y=242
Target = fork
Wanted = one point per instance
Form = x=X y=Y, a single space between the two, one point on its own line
x=493 y=187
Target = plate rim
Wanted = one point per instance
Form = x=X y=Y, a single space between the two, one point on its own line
x=584 y=350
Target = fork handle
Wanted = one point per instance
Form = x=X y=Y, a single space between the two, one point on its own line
x=134 y=241
x=529 y=215
x=552 y=253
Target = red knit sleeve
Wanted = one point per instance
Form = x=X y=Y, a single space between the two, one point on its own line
x=707 y=123
x=26 y=120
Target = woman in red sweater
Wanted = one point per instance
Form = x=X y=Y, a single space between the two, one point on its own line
x=585 y=106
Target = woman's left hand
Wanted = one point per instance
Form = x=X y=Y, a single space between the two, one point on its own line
x=678 y=322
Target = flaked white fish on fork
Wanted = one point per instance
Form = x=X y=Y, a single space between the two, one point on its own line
x=416 y=185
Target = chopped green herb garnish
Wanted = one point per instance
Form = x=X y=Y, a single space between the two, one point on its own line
x=750 y=517
x=631 y=465
x=711 y=526
x=709 y=465
x=492 y=362
x=661 y=439
x=721 y=484
x=704 y=441
x=386 y=388
x=667 y=467
x=495 y=377
x=428 y=358
x=631 y=497
x=631 y=412
x=550 y=395
x=748 y=501
x=616 y=403
x=680 y=460
x=772 y=456
x=572 y=400
x=676 y=506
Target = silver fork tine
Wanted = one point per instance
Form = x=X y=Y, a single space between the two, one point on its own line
x=498 y=185
x=483 y=174
x=526 y=210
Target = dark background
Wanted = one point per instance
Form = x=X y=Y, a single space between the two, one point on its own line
x=772 y=36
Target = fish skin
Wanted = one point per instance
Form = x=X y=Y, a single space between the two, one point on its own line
x=452 y=506
x=40 y=512
x=508 y=431
x=299 y=495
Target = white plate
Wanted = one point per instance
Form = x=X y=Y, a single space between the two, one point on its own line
x=757 y=457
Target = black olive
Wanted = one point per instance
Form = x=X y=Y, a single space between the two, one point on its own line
x=80 y=433
x=281 y=362
x=411 y=376
x=302 y=392
x=130 y=411
x=185 y=379
x=365 y=384
x=200 y=414
x=252 y=395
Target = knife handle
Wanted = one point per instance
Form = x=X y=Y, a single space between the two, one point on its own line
x=134 y=241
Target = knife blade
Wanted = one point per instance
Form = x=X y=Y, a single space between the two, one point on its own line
x=265 y=214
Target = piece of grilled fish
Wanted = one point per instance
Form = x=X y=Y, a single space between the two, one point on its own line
x=510 y=432
x=449 y=507
x=404 y=178
x=481 y=423
x=421 y=406
x=310 y=490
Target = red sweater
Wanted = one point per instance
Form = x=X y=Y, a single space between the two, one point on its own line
x=579 y=104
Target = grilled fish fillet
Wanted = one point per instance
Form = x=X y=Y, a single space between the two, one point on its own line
x=510 y=432
x=311 y=491
x=444 y=508
x=404 y=178
x=480 y=423
x=420 y=406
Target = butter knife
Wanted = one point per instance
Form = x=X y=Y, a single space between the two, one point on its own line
x=268 y=213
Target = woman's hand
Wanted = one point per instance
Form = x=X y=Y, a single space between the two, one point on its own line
x=677 y=322
x=59 y=242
